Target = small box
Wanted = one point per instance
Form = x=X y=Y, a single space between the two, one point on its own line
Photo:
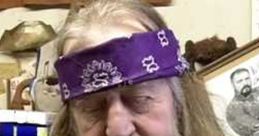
x=25 y=123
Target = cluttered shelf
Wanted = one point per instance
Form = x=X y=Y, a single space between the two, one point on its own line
x=21 y=123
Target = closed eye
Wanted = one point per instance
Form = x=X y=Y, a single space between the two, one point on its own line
x=92 y=108
x=93 y=114
x=138 y=104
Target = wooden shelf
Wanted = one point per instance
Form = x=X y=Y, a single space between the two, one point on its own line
x=46 y=2
x=19 y=3
x=159 y=2
x=10 y=3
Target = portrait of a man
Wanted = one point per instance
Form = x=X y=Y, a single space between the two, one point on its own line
x=243 y=111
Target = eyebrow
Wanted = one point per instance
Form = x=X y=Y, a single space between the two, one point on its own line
x=145 y=87
x=150 y=87
x=88 y=98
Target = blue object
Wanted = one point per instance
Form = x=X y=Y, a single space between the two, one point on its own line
x=6 y=129
x=26 y=130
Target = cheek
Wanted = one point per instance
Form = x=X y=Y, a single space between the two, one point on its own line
x=159 y=121
x=88 y=129
x=96 y=129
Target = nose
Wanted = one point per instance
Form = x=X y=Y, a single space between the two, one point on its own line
x=245 y=82
x=119 y=119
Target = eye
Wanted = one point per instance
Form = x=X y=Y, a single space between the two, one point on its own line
x=138 y=104
x=92 y=111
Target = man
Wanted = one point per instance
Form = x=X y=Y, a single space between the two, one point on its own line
x=122 y=74
x=243 y=110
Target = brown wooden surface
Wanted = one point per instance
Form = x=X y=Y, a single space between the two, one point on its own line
x=159 y=2
x=16 y=3
x=46 y=2
x=10 y=3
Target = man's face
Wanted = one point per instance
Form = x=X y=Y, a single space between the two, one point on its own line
x=242 y=83
x=145 y=109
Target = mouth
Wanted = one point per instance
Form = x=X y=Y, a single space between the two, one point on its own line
x=246 y=90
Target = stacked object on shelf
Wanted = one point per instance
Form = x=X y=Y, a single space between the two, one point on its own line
x=25 y=123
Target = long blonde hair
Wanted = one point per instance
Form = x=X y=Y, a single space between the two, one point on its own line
x=195 y=114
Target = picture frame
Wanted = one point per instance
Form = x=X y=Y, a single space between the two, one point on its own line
x=222 y=89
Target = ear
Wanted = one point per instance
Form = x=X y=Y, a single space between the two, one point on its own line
x=231 y=42
x=189 y=45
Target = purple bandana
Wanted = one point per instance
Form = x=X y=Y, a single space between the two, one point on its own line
x=121 y=61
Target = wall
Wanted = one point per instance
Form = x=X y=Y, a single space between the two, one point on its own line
x=188 y=18
x=197 y=19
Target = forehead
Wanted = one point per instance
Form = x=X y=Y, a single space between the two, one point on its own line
x=241 y=75
x=95 y=34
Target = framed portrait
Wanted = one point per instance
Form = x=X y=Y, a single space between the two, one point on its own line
x=232 y=83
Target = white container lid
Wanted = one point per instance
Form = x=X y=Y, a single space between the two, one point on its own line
x=30 y=117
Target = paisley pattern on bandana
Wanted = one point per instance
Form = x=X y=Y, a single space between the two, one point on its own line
x=183 y=64
x=100 y=74
x=121 y=61
x=162 y=38
x=66 y=91
x=150 y=64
